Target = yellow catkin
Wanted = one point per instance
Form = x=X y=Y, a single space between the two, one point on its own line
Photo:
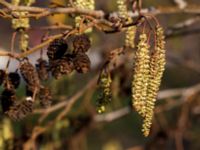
x=130 y=37
x=141 y=75
x=131 y=31
x=22 y=23
x=106 y=94
x=157 y=66
x=84 y=4
x=6 y=134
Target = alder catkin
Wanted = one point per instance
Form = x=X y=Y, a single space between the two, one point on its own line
x=130 y=37
x=141 y=75
x=22 y=22
x=131 y=31
x=157 y=66
x=84 y=4
x=105 y=95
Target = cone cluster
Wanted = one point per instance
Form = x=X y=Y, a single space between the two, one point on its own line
x=148 y=72
x=63 y=61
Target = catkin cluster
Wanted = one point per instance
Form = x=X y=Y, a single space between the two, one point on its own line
x=147 y=77
x=131 y=31
x=84 y=4
x=157 y=64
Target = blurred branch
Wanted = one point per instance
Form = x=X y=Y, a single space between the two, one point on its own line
x=180 y=3
x=109 y=117
x=42 y=12
x=181 y=25
x=67 y=104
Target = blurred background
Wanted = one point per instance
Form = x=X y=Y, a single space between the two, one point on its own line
x=176 y=125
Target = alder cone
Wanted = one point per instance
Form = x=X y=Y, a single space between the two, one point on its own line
x=29 y=74
x=45 y=97
x=8 y=98
x=20 y=110
x=42 y=69
x=81 y=43
x=14 y=79
x=2 y=76
x=82 y=63
x=29 y=91
x=61 y=67
x=57 y=49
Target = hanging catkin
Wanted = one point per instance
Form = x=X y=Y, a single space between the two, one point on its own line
x=157 y=64
x=131 y=31
x=22 y=23
x=141 y=75
x=84 y=4
x=105 y=89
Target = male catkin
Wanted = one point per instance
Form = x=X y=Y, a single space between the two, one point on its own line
x=141 y=75
x=131 y=31
x=84 y=4
x=22 y=23
x=105 y=95
x=157 y=64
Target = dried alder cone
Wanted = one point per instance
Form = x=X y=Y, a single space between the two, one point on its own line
x=2 y=76
x=63 y=62
x=57 y=49
x=45 y=97
x=29 y=74
x=13 y=80
x=61 y=67
x=42 y=69
x=81 y=63
x=8 y=98
x=81 y=43
x=20 y=110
